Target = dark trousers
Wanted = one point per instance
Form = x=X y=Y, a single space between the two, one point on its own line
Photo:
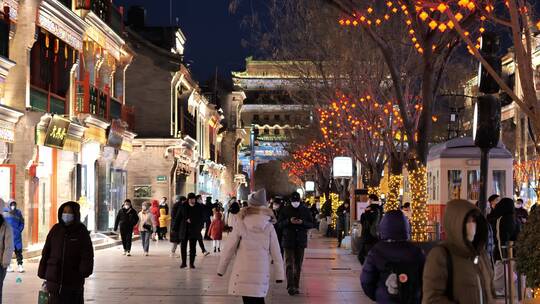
x=127 y=237
x=192 y=250
x=294 y=257
x=340 y=235
x=162 y=233
x=18 y=254
x=207 y=223
x=3 y=272
x=253 y=300
x=67 y=297
x=201 y=244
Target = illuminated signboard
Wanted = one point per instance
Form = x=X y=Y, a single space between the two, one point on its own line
x=343 y=167
x=57 y=132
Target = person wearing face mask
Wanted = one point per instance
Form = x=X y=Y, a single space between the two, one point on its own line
x=521 y=213
x=295 y=220
x=277 y=207
x=67 y=258
x=127 y=219
x=370 y=220
x=174 y=238
x=164 y=218
x=459 y=270
x=15 y=219
x=6 y=250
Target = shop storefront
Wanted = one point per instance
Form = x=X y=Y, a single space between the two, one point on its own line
x=210 y=179
x=53 y=175
x=8 y=118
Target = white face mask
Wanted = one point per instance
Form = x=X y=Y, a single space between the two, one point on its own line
x=126 y=207
x=295 y=204
x=144 y=208
x=12 y=208
x=275 y=207
x=471 y=231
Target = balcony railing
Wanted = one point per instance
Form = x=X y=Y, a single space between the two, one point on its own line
x=92 y=100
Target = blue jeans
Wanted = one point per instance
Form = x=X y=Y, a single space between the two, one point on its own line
x=3 y=272
x=145 y=239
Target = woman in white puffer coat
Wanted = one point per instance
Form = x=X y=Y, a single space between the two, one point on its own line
x=255 y=244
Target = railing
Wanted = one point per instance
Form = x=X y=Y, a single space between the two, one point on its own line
x=45 y=101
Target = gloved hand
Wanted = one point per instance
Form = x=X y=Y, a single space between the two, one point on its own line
x=279 y=281
x=219 y=274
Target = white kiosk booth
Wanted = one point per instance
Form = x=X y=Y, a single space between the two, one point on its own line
x=454 y=172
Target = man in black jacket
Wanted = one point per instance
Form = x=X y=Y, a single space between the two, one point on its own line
x=295 y=220
x=67 y=258
x=127 y=218
x=370 y=220
x=189 y=222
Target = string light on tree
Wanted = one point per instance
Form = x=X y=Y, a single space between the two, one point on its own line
x=419 y=221
x=394 y=184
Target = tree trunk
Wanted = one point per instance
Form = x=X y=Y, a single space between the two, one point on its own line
x=394 y=184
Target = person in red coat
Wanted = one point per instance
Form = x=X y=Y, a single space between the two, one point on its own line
x=155 y=210
x=216 y=229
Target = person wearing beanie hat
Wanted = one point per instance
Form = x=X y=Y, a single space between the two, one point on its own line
x=254 y=245
x=174 y=237
x=295 y=220
x=15 y=219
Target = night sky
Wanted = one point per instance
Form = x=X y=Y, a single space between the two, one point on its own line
x=213 y=34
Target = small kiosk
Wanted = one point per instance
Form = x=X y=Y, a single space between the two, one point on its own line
x=454 y=173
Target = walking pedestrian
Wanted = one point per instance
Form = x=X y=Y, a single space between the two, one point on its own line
x=458 y=270
x=216 y=229
x=15 y=219
x=154 y=209
x=406 y=209
x=342 y=224
x=326 y=218
x=314 y=214
x=370 y=220
x=147 y=226
x=67 y=258
x=295 y=220
x=391 y=258
x=232 y=211
x=164 y=219
x=493 y=200
x=189 y=222
x=6 y=250
x=505 y=229
x=204 y=214
x=127 y=219
x=208 y=212
x=254 y=245
x=277 y=207
x=521 y=213
x=174 y=237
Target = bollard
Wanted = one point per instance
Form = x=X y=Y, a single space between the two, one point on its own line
x=510 y=287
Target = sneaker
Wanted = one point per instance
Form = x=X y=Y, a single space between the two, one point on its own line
x=146 y=253
x=183 y=266
x=206 y=253
x=171 y=255
x=192 y=266
x=215 y=249
x=219 y=250
x=20 y=269
x=291 y=291
x=125 y=252
x=10 y=269
x=128 y=253
x=296 y=291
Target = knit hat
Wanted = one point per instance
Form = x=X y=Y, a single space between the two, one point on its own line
x=295 y=197
x=257 y=198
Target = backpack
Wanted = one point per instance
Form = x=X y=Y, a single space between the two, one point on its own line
x=403 y=282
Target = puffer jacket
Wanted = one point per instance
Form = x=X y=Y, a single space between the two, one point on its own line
x=164 y=216
x=394 y=247
x=16 y=220
x=148 y=218
x=507 y=229
x=6 y=245
x=254 y=243
x=67 y=258
x=295 y=235
x=471 y=269
x=126 y=219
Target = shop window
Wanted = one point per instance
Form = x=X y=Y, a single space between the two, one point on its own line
x=277 y=117
x=454 y=184
x=429 y=185
x=499 y=182
x=266 y=118
x=473 y=185
x=266 y=131
x=4 y=34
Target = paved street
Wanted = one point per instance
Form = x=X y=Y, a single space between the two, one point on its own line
x=330 y=276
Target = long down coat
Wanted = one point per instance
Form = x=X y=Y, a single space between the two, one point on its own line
x=254 y=243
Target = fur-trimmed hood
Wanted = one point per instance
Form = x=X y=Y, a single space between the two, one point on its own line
x=256 y=218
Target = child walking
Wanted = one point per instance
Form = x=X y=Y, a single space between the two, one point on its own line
x=216 y=229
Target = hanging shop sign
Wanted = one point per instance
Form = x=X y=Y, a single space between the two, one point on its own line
x=96 y=134
x=116 y=134
x=271 y=138
x=161 y=179
x=342 y=167
x=57 y=132
x=310 y=186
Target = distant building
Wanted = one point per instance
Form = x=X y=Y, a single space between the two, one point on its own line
x=177 y=148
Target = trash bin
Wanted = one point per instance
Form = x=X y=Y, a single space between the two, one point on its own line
x=356 y=231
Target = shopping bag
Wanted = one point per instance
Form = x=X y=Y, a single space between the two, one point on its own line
x=43 y=297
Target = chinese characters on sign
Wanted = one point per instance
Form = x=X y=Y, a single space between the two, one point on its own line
x=57 y=132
